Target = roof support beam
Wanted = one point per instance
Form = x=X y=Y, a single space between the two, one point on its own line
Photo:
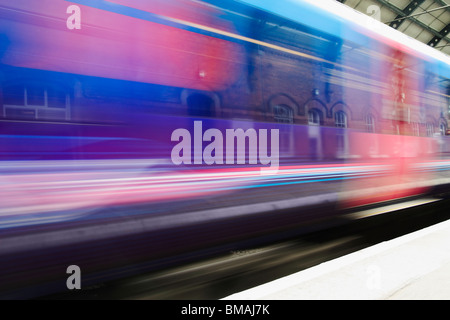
x=405 y=13
x=440 y=2
x=420 y=13
x=433 y=42
x=400 y=13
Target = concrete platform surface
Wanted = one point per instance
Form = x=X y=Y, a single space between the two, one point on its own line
x=414 y=266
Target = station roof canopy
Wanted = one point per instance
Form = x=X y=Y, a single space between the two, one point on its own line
x=425 y=20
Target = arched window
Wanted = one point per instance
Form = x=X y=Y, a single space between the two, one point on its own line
x=442 y=129
x=370 y=123
x=341 y=119
x=314 y=117
x=283 y=114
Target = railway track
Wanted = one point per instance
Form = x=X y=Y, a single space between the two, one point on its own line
x=247 y=266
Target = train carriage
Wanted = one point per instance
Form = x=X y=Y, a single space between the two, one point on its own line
x=135 y=132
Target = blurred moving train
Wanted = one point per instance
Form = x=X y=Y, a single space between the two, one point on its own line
x=134 y=133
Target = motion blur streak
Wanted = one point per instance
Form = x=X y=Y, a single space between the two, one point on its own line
x=82 y=190
x=114 y=119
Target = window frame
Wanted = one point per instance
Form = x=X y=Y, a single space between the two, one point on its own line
x=315 y=113
x=37 y=109
x=430 y=129
x=289 y=117
x=341 y=119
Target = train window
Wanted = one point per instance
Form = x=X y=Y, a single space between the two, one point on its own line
x=314 y=117
x=442 y=129
x=36 y=95
x=14 y=95
x=35 y=101
x=430 y=129
x=341 y=119
x=415 y=129
x=200 y=105
x=56 y=98
x=370 y=123
x=283 y=114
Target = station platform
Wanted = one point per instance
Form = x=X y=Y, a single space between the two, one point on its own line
x=415 y=266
